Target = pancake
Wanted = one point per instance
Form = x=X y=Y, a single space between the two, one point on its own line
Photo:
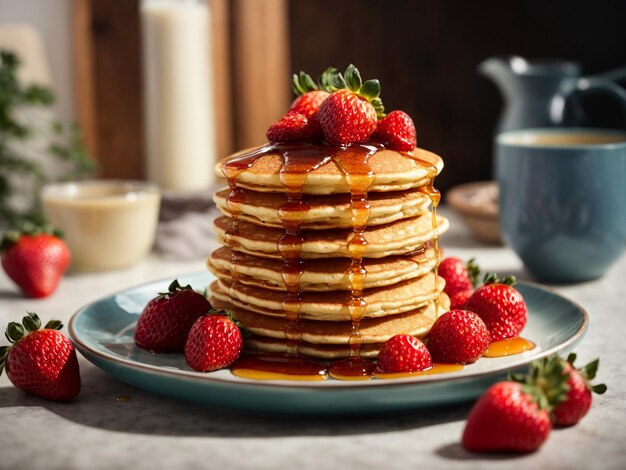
x=323 y=212
x=332 y=306
x=319 y=351
x=416 y=322
x=321 y=274
x=391 y=170
x=398 y=238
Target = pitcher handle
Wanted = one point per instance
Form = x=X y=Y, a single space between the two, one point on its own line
x=590 y=84
x=615 y=75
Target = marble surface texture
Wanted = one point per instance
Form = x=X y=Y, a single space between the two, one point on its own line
x=98 y=431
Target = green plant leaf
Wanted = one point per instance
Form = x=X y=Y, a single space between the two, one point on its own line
x=54 y=325
x=370 y=90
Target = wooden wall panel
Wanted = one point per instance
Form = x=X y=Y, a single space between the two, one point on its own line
x=109 y=68
x=261 y=70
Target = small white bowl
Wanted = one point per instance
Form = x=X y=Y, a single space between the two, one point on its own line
x=108 y=224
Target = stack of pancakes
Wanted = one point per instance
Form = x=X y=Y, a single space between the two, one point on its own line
x=291 y=270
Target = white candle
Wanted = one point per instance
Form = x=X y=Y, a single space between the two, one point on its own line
x=179 y=114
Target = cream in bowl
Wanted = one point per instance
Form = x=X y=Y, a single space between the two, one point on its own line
x=108 y=224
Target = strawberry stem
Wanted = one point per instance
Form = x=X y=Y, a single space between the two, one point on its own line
x=30 y=229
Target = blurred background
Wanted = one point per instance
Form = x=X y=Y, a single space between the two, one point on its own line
x=425 y=53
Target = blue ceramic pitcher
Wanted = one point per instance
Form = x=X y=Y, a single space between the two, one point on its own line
x=547 y=93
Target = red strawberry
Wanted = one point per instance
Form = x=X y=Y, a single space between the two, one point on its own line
x=500 y=306
x=404 y=353
x=310 y=94
x=41 y=361
x=349 y=115
x=458 y=336
x=578 y=399
x=397 y=131
x=35 y=259
x=506 y=419
x=459 y=276
x=294 y=127
x=214 y=343
x=165 y=322
x=309 y=103
x=458 y=300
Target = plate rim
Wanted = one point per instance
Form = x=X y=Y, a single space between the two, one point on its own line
x=86 y=350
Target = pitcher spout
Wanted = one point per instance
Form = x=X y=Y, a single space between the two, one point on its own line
x=503 y=70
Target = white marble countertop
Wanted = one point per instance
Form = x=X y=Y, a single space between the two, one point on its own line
x=149 y=432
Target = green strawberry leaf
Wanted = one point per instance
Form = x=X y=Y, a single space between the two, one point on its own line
x=14 y=332
x=370 y=90
x=326 y=78
x=4 y=353
x=302 y=83
x=353 y=78
x=31 y=322
x=54 y=325
x=473 y=272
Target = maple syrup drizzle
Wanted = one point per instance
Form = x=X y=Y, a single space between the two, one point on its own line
x=269 y=366
x=298 y=162
x=352 y=368
x=430 y=163
x=231 y=171
x=354 y=165
x=508 y=347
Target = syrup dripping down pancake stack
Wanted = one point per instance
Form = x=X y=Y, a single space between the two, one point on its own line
x=329 y=249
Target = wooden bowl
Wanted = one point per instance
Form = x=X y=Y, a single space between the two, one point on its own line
x=477 y=204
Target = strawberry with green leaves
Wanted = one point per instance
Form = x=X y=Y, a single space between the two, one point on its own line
x=214 y=342
x=35 y=258
x=579 y=396
x=351 y=112
x=514 y=416
x=41 y=361
x=500 y=306
x=166 y=320
x=461 y=279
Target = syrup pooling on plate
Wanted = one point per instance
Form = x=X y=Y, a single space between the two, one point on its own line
x=268 y=366
x=508 y=347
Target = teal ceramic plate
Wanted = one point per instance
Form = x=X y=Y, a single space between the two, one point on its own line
x=103 y=333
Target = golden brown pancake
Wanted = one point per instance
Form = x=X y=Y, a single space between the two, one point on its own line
x=323 y=212
x=320 y=351
x=398 y=238
x=332 y=306
x=319 y=274
x=392 y=170
x=416 y=322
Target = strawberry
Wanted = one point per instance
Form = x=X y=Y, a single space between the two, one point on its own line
x=35 y=258
x=458 y=300
x=310 y=94
x=41 y=361
x=349 y=115
x=506 y=418
x=294 y=127
x=404 y=353
x=578 y=399
x=166 y=320
x=459 y=276
x=397 y=131
x=500 y=306
x=458 y=336
x=214 y=342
